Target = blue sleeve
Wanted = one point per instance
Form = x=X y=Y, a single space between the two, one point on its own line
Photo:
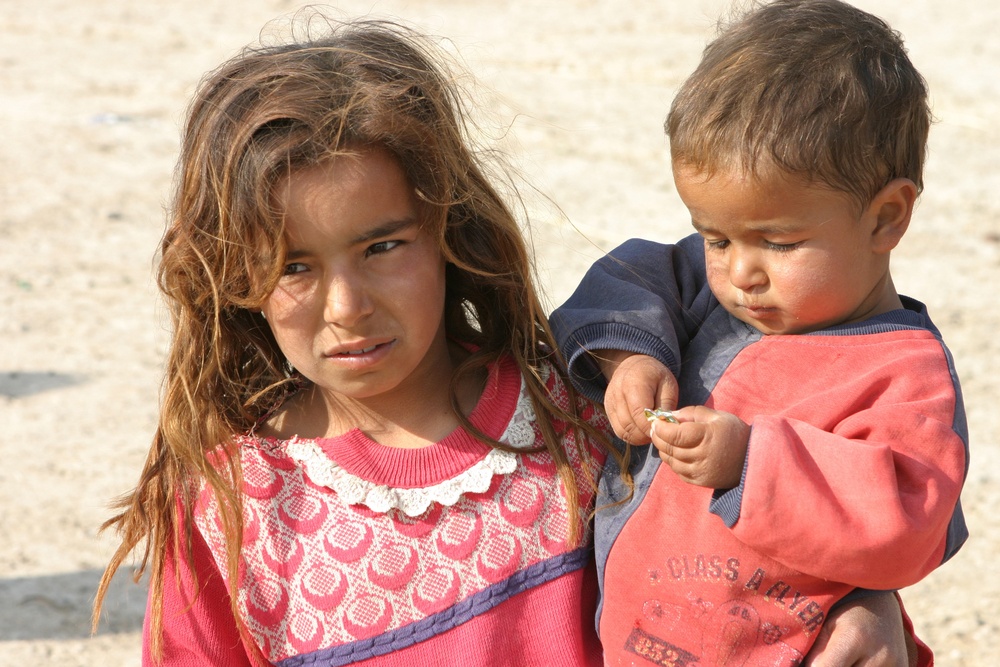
x=642 y=297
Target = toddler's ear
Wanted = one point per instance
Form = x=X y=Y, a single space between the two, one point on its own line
x=892 y=207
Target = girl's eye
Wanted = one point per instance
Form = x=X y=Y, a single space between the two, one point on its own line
x=381 y=247
x=294 y=267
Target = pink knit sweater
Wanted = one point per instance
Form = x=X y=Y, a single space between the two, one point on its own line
x=357 y=553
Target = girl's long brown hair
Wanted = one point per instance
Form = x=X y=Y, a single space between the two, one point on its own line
x=254 y=120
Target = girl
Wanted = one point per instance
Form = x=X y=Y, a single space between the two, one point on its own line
x=365 y=446
x=367 y=449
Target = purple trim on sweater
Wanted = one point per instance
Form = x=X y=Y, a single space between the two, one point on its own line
x=465 y=610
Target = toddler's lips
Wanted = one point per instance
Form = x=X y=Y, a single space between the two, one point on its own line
x=757 y=309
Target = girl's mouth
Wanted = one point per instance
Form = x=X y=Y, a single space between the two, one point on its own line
x=365 y=350
x=359 y=349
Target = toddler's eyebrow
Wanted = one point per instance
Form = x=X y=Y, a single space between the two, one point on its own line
x=761 y=229
x=773 y=230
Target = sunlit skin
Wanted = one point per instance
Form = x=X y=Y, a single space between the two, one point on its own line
x=784 y=256
x=359 y=310
x=788 y=257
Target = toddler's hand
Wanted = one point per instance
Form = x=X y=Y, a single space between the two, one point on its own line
x=635 y=382
x=865 y=632
x=706 y=448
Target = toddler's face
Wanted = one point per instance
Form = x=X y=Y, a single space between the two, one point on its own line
x=360 y=308
x=786 y=256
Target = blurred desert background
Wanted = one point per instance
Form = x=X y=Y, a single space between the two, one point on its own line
x=572 y=92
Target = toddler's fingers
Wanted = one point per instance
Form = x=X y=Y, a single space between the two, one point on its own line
x=622 y=421
x=683 y=434
x=666 y=395
x=667 y=438
x=694 y=413
x=670 y=457
x=634 y=385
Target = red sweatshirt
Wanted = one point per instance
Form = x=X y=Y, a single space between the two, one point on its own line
x=857 y=456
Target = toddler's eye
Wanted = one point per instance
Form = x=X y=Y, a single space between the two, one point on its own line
x=782 y=247
x=381 y=247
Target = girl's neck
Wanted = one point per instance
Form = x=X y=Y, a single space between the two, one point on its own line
x=415 y=419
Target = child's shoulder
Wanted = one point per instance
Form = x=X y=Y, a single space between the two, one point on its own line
x=911 y=321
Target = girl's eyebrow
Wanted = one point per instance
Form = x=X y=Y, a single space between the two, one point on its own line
x=380 y=231
x=385 y=229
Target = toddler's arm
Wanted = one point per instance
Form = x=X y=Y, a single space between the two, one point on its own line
x=642 y=297
x=868 y=632
x=859 y=480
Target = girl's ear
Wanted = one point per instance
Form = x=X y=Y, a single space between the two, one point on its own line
x=891 y=208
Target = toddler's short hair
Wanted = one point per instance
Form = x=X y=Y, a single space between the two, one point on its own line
x=812 y=88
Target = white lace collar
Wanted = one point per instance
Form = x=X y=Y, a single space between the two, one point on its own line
x=414 y=501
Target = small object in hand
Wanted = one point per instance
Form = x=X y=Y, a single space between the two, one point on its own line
x=665 y=415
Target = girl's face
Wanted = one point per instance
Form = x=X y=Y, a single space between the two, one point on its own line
x=785 y=256
x=359 y=310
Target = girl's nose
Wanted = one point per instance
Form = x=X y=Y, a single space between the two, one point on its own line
x=347 y=302
x=746 y=272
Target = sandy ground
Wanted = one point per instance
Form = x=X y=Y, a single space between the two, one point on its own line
x=92 y=93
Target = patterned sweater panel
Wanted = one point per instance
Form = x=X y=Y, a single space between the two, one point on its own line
x=404 y=566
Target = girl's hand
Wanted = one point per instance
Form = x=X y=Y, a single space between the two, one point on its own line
x=706 y=448
x=635 y=382
x=867 y=632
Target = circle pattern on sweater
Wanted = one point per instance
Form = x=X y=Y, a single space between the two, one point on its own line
x=318 y=572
